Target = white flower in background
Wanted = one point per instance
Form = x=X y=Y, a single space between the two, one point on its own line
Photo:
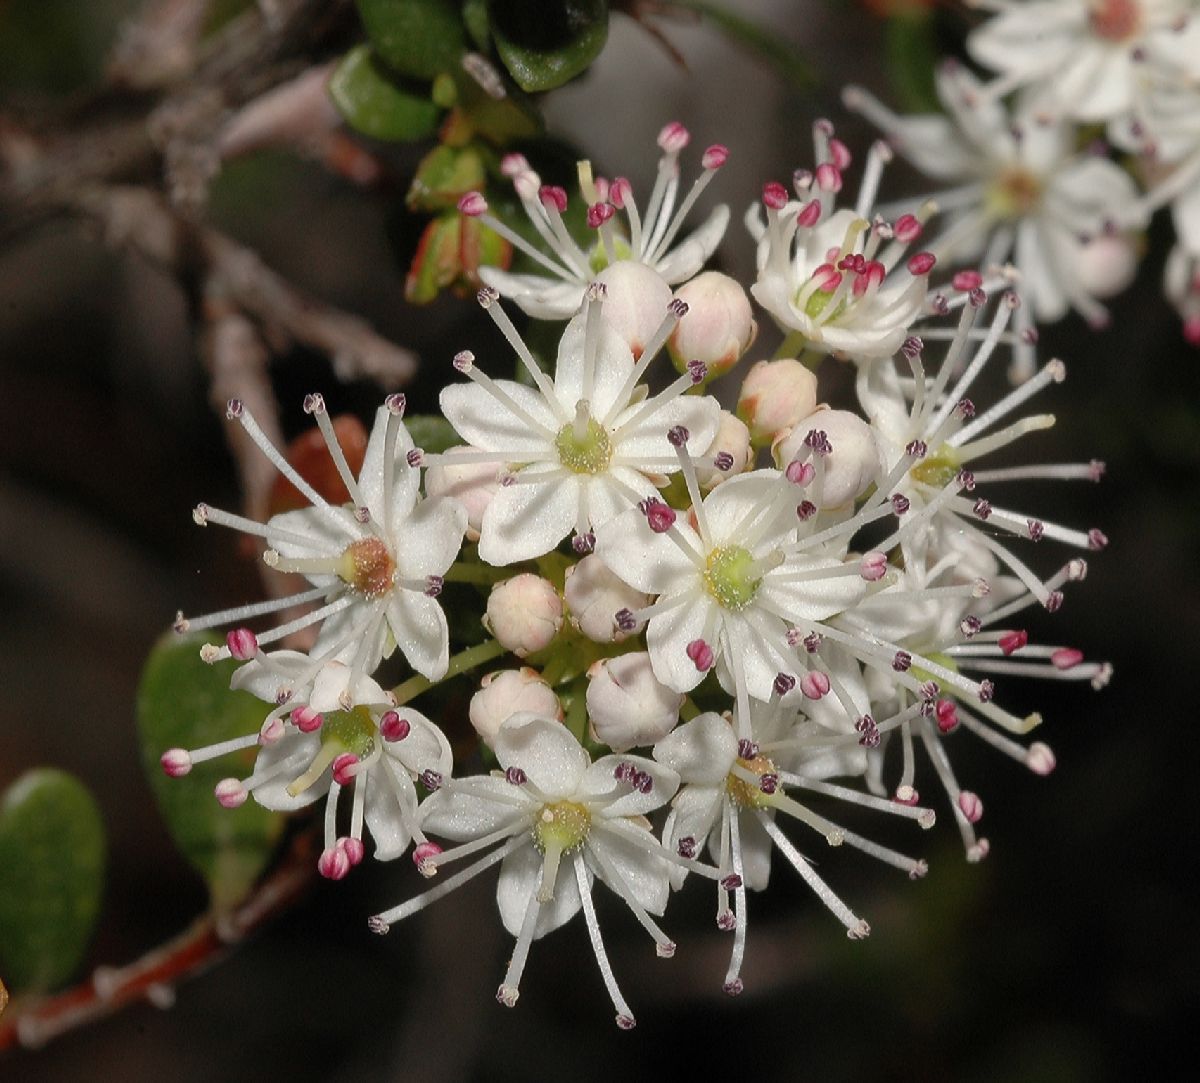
x=834 y=276
x=558 y=822
x=1084 y=58
x=377 y=565
x=732 y=790
x=732 y=590
x=930 y=436
x=1181 y=283
x=651 y=240
x=1020 y=191
x=580 y=449
x=323 y=735
x=923 y=643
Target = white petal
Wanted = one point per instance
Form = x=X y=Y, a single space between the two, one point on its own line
x=612 y=365
x=600 y=779
x=643 y=872
x=391 y=805
x=263 y=681
x=667 y=639
x=649 y=562
x=686 y=258
x=425 y=748
x=529 y=518
x=520 y=877
x=419 y=627
x=696 y=812
x=405 y=480
x=460 y=816
x=812 y=599
x=273 y=794
x=427 y=542
x=542 y=298
x=484 y=421
x=700 y=751
x=546 y=751
x=332 y=682
x=756 y=853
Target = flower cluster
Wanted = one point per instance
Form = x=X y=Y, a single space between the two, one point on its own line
x=1024 y=177
x=712 y=629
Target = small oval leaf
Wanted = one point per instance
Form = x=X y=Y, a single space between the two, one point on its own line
x=183 y=702
x=418 y=38
x=544 y=43
x=373 y=102
x=52 y=854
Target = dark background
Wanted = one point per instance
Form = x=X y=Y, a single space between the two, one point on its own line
x=1070 y=954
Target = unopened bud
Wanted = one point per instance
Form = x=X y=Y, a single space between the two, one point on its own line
x=775 y=396
x=508 y=692
x=627 y=704
x=850 y=468
x=635 y=303
x=728 y=455
x=524 y=613
x=719 y=326
x=472 y=484
x=594 y=594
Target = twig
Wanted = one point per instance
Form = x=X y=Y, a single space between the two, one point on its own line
x=153 y=977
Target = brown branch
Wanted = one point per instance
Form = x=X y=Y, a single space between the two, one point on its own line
x=153 y=977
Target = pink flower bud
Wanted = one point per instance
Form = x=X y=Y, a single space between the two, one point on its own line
x=946 y=714
x=333 y=864
x=728 y=455
x=472 y=484
x=635 y=303
x=231 y=793
x=509 y=692
x=242 y=644
x=814 y=684
x=473 y=204
x=344 y=768
x=850 y=468
x=1106 y=264
x=719 y=326
x=775 y=395
x=524 y=613
x=593 y=593
x=306 y=720
x=1040 y=759
x=673 y=137
x=873 y=566
x=628 y=706
x=353 y=849
x=970 y=805
x=423 y=857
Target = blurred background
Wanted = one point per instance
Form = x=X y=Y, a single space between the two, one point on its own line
x=1070 y=954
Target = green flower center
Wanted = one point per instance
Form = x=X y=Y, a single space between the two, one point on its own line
x=562 y=827
x=938 y=469
x=732 y=577
x=598 y=257
x=746 y=794
x=586 y=453
x=351 y=731
x=943 y=660
x=1014 y=194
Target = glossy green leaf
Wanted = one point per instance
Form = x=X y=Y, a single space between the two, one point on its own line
x=444 y=175
x=375 y=104
x=52 y=860
x=544 y=43
x=450 y=252
x=419 y=38
x=475 y=19
x=184 y=702
x=432 y=433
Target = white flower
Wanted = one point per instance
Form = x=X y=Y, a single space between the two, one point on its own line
x=734 y=589
x=1018 y=190
x=322 y=736
x=922 y=642
x=732 y=790
x=1084 y=58
x=560 y=822
x=378 y=566
x=931 y=435
x=581 y=448
x=1181 y=283
x=558 y=293
x=833 y=276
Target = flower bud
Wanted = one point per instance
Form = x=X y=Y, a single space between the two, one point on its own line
x=524 y=613
x=718 y=327
x=472 y=484
x=727 y=456
x=627 y=705
x=594 y=596
x=636 y=302
x=505 y=693
x=850 y=467
x=1106 y=264
x=775 y=395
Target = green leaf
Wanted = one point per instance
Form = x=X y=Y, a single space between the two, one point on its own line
x=444 y=175
x=52 y=855
x=374 y=103
x=543 y=43
x=183 y=702
x=912 y=58
x=419 y=38
x=431 y=433
x=475 y=18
